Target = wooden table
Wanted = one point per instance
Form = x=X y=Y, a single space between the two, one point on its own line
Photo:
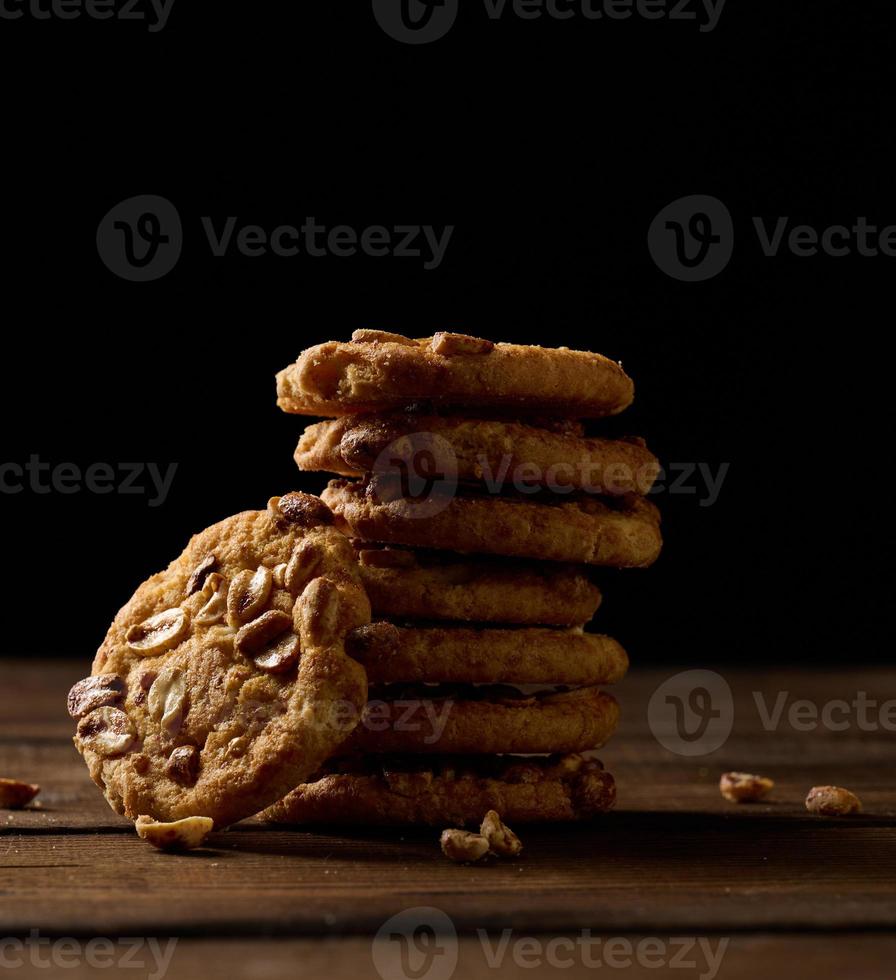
x=786 y=894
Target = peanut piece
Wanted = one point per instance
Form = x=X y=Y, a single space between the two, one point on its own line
x=463 y=846
x=744 y=787
x=179 y=835
x=501 y=840
x=832 y=801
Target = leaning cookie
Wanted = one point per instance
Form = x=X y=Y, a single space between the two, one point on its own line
x=496 y=454
x=380 y=371
x=406 y=584
x=464 y=719
x=622 y=532
x=224 y=681
x=458 y=654
x=434 y=792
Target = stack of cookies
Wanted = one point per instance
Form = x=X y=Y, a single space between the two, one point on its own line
x=477 y=507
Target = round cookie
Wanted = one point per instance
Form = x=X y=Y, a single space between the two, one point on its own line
x=457 y=654
x=622 y=532
x=405 y=584
x=449 y=791
x=224 y=682
x=464 y=719
x=499 y=454
x=380 y=372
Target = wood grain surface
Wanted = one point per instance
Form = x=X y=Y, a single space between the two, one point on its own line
x=794 y=894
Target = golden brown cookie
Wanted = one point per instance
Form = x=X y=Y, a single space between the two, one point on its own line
x=406 y=584
x=458 y=654
x=438 y=791
x=622 y=532
x=378 y=372
x=224 y=682
x=464 y=719
x=497 y=454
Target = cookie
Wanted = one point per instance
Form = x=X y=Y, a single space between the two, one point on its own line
x=224 y=682
x=380 y=372
x=458 y=654
x=449 y=791
x=464 y=719
x=497 y=454
x=623 y=532
x=405 y=584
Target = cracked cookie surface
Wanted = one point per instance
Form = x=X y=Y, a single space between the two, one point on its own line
x=224 y=682
x=378 y=371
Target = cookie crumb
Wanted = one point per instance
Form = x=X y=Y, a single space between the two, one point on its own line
x=179 y=835
x=744 y=787
x=14 y=794
x=832 y=801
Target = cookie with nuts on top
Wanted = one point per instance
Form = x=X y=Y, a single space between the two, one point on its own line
x=432 y=791
x=224 y=681
x=378 y=372
x=494 y=453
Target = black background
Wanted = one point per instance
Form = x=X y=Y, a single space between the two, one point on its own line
x=550 y=146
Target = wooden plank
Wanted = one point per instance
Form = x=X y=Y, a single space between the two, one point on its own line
x=634 y=956
x=674 y=856
x=631 y=871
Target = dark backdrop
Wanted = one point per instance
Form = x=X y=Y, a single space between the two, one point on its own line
x=550 y=146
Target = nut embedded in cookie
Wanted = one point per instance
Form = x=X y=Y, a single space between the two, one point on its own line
x=379 y=372
x=210 y=693
x=497 y=455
